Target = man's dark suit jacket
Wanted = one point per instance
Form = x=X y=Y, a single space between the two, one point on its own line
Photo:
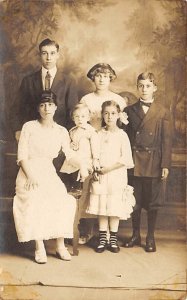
x=25 y=106
x=150 y=136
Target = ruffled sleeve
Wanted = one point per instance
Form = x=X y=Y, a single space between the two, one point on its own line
x=126 y=152
x=23 y=145
x=69 y=153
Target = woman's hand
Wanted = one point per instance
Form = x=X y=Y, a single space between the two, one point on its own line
x=84 y=172
x=31 y=183
x=123 y=118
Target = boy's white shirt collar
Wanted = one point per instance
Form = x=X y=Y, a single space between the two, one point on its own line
x=146 y=108
x=150 y=101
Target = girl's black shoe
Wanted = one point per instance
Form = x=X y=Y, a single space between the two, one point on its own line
x=113 y=246
x=102 y=242
x=101 y=248
x=114 y=249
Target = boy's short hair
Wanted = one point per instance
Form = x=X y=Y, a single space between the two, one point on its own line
x=79 y=106
x=48 y=42
x=101 y=68
x=146 y=75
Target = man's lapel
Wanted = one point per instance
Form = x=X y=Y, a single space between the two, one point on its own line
x=38 y=81
x=57 y=81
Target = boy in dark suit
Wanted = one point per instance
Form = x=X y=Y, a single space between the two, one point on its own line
x=149 y=131
x=48 y=77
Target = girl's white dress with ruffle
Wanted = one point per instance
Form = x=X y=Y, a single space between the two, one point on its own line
x=111 y=195
x=47 y=211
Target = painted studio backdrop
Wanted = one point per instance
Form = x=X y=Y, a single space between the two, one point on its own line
x=132 y=36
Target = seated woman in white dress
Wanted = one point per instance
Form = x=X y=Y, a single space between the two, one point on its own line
x=42 y=208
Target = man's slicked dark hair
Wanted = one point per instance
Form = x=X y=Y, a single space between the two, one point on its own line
x=48 y=42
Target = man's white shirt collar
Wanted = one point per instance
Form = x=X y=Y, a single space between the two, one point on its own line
x=51 y=71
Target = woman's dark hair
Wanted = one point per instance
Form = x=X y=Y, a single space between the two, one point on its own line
x=48 y=96
x=101 y=68
x=110 y=103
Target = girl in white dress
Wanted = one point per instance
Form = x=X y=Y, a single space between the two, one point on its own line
x=42 y=208
x=111 y=198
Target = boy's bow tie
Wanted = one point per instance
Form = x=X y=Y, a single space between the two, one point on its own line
x=148 y=104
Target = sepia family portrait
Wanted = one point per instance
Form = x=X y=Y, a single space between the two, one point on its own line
x=93 y=149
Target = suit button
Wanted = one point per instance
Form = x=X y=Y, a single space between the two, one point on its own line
x=150 y=133
x=137 y=132
x=137 y=151
x=149 y=151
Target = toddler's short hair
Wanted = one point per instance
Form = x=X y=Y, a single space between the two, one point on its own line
x=146 y=75
x=101 y=68
x=79 y=106
x=48 y=42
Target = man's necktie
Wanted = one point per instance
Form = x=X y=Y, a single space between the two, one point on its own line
x=47 y=81
x=148 y=104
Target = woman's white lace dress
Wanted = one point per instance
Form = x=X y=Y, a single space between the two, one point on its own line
x=47 y=211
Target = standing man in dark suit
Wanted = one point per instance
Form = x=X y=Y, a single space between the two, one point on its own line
x=48 y=77
x=149 y=131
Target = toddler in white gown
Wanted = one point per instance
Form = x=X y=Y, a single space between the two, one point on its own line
x=84 y=143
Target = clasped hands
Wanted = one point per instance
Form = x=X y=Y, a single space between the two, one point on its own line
x=99 y=170
x=95 y=170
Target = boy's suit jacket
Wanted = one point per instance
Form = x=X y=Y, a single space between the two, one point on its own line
x=24 y=107
x=150 y=137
